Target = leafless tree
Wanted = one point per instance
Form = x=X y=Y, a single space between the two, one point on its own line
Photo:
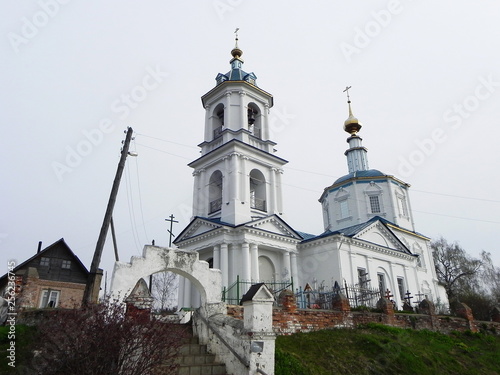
x=102 y=339
x=455 y=268
x=164 y=291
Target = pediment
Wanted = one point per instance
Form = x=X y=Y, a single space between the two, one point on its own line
x=379 y=234
x=197 y=227
x=274 y=224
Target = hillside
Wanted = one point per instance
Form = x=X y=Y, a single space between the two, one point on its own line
x=377 y=349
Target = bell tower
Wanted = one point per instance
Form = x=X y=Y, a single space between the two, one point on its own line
x=237 y=178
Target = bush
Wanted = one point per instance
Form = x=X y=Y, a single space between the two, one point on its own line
x=102 y=339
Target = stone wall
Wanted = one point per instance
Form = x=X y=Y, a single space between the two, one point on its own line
x=288 y=319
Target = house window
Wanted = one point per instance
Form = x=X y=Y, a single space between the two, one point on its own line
x=374 y=204
x=401 y=287
x=45 y=261
x=50 y=298
x=66 y=264
x=344 y=209
x=381 y=282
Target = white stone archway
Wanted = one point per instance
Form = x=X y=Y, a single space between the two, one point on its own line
x=155 y=259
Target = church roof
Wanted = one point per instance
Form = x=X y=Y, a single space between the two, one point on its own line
x=236 y=75
x=355 y=229
x=367 y=173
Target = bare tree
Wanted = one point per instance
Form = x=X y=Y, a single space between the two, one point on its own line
x=455 y=268
x=491 y=278
x=102 y=339
x=164 y=291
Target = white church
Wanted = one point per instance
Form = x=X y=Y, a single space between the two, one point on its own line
x=369 y=236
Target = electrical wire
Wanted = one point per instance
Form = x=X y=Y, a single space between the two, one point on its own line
x=140 y=196
x=333 y=177
x=130 y=203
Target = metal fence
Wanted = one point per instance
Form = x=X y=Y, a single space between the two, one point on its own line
x=321 y=298
x=233 y=293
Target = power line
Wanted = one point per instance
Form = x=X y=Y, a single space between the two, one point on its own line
x=458 y=217
x=130 y=203
x=457 y=196
x=140 y=197
x=165 y=140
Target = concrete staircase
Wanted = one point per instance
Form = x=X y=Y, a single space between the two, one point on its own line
x=194 y=360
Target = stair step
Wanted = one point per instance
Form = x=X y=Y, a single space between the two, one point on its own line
x=195 y=360
x=202 y=370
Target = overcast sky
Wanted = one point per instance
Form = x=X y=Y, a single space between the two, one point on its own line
x=425 y=79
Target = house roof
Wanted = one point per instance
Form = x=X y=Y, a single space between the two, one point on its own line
x=44 y=251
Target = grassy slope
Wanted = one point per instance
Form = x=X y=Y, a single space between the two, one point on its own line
x=377 y=349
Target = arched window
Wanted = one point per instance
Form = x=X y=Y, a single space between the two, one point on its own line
x=258 y=190
x=218 y=120
x=215 y=192
x=254 y=121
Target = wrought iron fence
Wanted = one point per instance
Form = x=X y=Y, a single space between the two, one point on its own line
x=321 y=298
x=233 y=293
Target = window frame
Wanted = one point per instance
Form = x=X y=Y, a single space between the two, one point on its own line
x=46 y=298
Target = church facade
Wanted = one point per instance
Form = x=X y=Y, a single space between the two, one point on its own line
x=369 y=236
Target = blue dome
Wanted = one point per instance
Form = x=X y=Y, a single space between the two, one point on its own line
x=368 y=173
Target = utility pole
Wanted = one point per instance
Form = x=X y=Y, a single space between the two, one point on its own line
x=91 y=289
x=172 y=221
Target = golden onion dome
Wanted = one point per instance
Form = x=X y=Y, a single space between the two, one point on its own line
x=236 y=52
x=351 y=125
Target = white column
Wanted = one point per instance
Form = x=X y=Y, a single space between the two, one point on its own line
x=216 y=257
x=180 y=293
x=245 y=262
x=187 y=293
x=235 y=261
x=244 y=193
x=234 y=176
x=265 y=122
x=208 y=124
x=254 y=255
x=224 y=261
x=272 y=194
x=200 y=204
x=227 y=115
x=285 y=274
x=279 y=198
x=227 y=187
x=243 y=112
x=295 y=273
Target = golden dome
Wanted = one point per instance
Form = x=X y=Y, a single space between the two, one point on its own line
x=351 y=125
x=236 y=52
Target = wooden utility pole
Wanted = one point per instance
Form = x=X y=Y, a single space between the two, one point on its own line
x=91 y=289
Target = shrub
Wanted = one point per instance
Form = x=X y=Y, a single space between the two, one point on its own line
x=102 y=339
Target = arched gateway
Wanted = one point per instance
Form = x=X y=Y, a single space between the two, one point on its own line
x=155 y=259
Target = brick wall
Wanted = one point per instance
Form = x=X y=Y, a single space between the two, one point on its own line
x=288 y=320
x=70 y=296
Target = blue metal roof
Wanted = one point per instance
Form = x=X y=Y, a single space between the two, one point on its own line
x=368 y=173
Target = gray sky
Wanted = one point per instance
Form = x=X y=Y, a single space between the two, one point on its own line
x=425 y=80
